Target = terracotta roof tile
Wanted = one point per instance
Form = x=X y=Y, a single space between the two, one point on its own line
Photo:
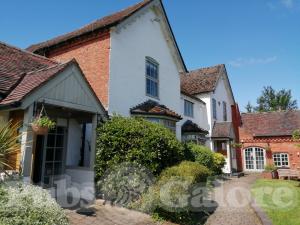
x=99 y=24
x=201 y=80
x=222 y=130
x=190 y=127
x=14 y=63
x=154 y=108
x=32 y=81
x=281 y=123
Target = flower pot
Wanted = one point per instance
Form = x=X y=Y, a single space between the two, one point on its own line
x=39 y=130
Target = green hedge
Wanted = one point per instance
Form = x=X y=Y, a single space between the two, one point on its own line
x=136 y=140
x=204 y=156
x=168 y=198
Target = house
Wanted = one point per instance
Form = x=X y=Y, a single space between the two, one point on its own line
x=30 y=83
x=131 y=60
x=211 y=89
x=267 y=139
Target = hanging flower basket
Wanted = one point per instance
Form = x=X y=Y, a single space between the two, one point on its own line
x=42 y=124
x=39 y=130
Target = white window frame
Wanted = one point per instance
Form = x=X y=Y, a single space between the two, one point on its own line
x=283 y=158
x=150 y=78
x=214 y=108
x=188 y=108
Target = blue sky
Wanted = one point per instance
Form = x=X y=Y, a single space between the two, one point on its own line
x=258 y=40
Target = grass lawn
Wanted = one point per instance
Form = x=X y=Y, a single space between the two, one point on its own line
x=280 y=200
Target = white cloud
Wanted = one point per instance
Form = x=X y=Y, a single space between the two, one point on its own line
x=288 y=3
x=252 y=61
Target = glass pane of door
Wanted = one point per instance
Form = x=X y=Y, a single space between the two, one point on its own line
x=259 y=159
x=54 y=155
x=249 y=159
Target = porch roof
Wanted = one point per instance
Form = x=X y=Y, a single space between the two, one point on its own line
x=190 y=127
x=222 y=130
x=155 y=109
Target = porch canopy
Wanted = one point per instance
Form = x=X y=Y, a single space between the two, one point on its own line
x=29 y=82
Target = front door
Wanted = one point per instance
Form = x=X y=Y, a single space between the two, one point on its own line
x=254 y=159
x=53 y=157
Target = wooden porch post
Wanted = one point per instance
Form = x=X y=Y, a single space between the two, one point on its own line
x=93 y=142
x=27 y=144
x=229 y=156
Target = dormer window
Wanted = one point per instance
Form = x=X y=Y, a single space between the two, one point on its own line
x=152 y=77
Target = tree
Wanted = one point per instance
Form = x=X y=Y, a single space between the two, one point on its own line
x=249 y=108
x=271 y=100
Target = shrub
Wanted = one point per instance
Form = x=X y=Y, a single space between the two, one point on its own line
x=270 y=168
x=168 y=198
x=136 y=140
x=124 y=184
x=8 y=142
x=201 y=154
x=26 y=204
x=219 y=163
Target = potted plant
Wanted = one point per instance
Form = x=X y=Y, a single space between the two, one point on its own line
x=270 y=172
x=42 y=124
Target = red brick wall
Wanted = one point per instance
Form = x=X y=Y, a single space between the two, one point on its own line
x=236 y=120
x=92 y=54
x=275 y=144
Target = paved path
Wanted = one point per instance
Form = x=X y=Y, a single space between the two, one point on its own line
x=110 y=215
x=234 y=201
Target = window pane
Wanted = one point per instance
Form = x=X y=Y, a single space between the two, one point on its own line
x=188 y=108
x=214 y=108
x=151 y=78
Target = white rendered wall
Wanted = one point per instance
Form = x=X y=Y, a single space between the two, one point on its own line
x=200 y=113
x=131 y=43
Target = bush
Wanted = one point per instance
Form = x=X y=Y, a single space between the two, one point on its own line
x=201 y=154
x=219 y=163
x=270 y=168
x=136 y=140
x=168 y=198
x=124 y=184
x=22 y=204
x=204 y=156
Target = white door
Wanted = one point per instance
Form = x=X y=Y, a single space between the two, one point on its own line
x=254 y=159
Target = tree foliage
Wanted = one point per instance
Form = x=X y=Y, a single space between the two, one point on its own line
x=272 y=100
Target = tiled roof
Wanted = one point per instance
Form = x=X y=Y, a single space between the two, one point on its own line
x=32 y=81
x=222 y=130
x=201 y=80
x=21 y=72
x=271 y=124
x=99 y=24
x=14 y=63
x=154 y=108
x=190 y=127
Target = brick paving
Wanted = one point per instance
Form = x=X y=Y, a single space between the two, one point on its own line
x=238 y=211
x=227 y=213
x=110 y=215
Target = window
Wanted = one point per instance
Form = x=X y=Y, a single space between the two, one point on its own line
x=170 y=124
x=224 y=111
x=151 y=78
x=281 y=159
x=188 y=108
x=214 y=105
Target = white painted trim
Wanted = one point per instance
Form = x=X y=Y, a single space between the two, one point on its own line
x=254 y=160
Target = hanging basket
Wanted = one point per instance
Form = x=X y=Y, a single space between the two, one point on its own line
x=42 y=124
x=38 y=130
